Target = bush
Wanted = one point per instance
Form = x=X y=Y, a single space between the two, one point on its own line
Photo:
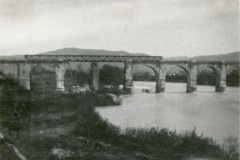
x=231 y=146
x=110 y=75
x=91 y=125
x=78 y=89
x=15 y=105
x=112 y=90
x=170 y=142
x=206 y=78
x=233 y=78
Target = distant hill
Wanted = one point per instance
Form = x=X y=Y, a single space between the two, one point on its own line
x=180 y=58
x=222 y=57
x=15 y=57
x=76 y=51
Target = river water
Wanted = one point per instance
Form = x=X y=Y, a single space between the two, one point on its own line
x=213 y=114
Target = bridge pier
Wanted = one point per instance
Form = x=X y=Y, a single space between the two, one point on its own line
x=220 y=88
x=160 y=85
x=25 y=83
x=221 y=79
x=128 y=81
x=24 y=70
x=191 y=86
x=60 y=72
x=95 y=75
x=192 y=78
x=160 y=74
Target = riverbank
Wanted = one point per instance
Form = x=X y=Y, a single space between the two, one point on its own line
x=66 y=126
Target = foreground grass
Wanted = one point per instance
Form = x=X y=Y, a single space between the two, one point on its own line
x=92 y=137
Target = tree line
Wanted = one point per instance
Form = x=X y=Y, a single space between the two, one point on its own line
x=112 y=75
x=203 y=78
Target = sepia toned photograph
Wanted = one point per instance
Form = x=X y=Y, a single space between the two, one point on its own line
x=119 y=79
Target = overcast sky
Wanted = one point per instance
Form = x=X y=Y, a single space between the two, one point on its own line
x=155 y=27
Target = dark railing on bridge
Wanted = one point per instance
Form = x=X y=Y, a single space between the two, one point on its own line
x=91 y=58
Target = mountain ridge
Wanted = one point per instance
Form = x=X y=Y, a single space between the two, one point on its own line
x=77 y=51
x=233 y=56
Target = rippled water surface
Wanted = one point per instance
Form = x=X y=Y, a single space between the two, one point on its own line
x=214 y=114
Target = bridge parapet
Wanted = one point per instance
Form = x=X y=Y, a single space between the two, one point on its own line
x=12 y=61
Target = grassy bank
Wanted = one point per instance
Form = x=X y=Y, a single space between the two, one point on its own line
x=66 y=126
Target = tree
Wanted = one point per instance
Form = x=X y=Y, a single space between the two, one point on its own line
x=110 y=75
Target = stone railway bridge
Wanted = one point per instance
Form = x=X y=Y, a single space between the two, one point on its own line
x=21 y=70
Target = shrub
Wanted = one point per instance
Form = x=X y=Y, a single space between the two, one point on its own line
x=170 y=142
x=112 y=90
x=15 y=105
x=110 y=75
x=78 y=89
x=91 y=125
x=231 y=146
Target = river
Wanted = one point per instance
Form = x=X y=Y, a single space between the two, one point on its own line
x=213 y=114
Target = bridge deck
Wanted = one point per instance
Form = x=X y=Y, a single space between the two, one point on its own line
x=99 y=58
x=198 y=62
x=91 y=58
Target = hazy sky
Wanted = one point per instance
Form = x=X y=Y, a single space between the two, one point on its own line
x=155 y=27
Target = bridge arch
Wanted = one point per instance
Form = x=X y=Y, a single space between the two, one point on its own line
x=42 y=78
x=3 y=76
x=152 y=68
x=184 y=68
x=41 y=66
x=182 y=75
x=70 y=77
x=214 y=69
x=208 y=75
